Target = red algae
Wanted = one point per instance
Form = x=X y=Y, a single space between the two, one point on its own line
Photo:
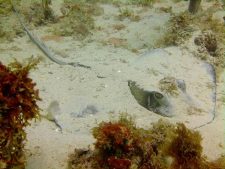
x=121 y=145
x=17 y=106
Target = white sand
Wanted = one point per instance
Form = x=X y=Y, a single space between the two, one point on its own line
x=76 y=88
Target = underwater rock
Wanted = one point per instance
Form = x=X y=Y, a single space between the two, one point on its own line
x=151 y=100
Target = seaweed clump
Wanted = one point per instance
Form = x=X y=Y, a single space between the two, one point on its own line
x=208 y=42
x=39 y=13
x=122 y=145
x=178 y=30
x=9 y=27
x=169 y=86
x=211 y=40
x=17 y=106
x=143 y=2
x=127 y=13
x=186 y=149
x=5 y=7
x=77 y=19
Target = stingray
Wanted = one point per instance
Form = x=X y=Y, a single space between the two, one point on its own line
x=157 y=101
x=151 y=100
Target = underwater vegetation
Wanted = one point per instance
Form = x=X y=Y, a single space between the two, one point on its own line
x=9 y=28
x=121 y=145
x=207 y=40
x=35 y=13
x=212 y=39
x=18 y=98
x=128 y=13
x=178 y=30
x=181 y=27
x=77 y=19
x=148 y=3
x=143 y=2
x=38 y=13
x=6 y=7
x=169 y=86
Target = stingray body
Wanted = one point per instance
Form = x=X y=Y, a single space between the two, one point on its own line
x=151 y=100
x=195 y=81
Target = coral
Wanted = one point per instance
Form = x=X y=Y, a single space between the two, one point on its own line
x=17 y=106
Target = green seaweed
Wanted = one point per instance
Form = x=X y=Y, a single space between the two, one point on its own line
x=77 y=20
x=128 y=13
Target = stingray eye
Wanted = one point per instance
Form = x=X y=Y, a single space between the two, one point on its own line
x=158 y=95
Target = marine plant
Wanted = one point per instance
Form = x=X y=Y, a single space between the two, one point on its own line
x=181 y=26
x=143 y=2
x=48 y=13
x=208 y=41
x=207 y=23
x=18 y=105
x=38 y=13
x=9 y=27
x=128 y=13
x=5 y=7
x=186 y=149
x=121 y=145
x=178 y=30
x=77 y=19
x=169 y=86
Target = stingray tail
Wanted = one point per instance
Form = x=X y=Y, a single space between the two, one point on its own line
x=214 y=96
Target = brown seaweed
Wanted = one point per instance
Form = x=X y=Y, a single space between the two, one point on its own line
x=121 y=145
x=18 y=105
